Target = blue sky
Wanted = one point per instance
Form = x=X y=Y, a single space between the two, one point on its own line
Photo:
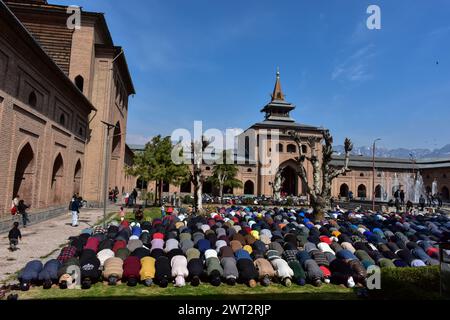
x=216 y=60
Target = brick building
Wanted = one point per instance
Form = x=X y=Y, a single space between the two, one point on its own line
x=389 y=173
x=57 y=85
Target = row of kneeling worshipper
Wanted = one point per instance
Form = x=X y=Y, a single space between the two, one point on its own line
x=244 y=245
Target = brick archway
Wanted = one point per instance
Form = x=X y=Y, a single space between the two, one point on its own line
x=57 y=183
x=24 y=174
x=290 y=185
x=249 y=187
x=343 y=190
x=378 y=192
x=77 y=177
x=362 y=191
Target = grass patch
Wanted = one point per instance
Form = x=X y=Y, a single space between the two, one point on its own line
x=149 y=214
x=204 y=291
x=51 y=253
x=109 y=217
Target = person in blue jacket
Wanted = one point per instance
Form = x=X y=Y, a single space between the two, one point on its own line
x=30 y=274
x=203 y=245
x=49 y=274
x=247 y=270
x=74 y=207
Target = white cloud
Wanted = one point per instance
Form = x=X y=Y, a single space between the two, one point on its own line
x=356 y=66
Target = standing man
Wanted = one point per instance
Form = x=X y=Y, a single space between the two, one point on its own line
x=74 y=207
x=135 y=195
x=350 y=196
x=402 y=197
x=422 y=202
x=22 y=209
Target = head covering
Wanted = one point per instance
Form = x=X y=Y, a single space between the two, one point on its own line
x=220 y=244
x=265 y=239
x=255 y=234
x=210 y=253
x=158 y=235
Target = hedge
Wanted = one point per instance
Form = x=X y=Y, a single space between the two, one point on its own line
x=409 y=283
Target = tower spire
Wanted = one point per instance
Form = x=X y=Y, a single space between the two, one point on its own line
x=277 y=92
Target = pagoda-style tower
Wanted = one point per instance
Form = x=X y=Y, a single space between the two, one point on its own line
x=278 y=109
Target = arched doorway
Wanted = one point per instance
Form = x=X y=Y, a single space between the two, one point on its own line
x=77 y=178
x=362 y=191
x=378 y=191
x=249 y=187
x=289 y=178
x=24 y=174
x=343 y=190
x=445 y=194
x=56 y=189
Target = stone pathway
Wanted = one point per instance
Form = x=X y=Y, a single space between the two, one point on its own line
x=44 y=240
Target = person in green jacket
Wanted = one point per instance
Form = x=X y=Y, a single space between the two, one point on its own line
x=214 y=269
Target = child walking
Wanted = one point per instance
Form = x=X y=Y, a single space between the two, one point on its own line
x=14 y=236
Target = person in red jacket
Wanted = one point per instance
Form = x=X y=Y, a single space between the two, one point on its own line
x=131 y=270
x=119 y=244
x=92 y=244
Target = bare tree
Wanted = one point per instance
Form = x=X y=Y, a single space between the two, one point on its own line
x=323 y=174
x=277 y=184
x=196 y=175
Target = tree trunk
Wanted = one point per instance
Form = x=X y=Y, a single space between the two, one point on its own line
x=155 y=199
x=320 y=205
x=221 y=192
x=160 y=192
x=199 y=198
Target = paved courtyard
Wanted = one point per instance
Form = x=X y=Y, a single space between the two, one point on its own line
x=43 y=240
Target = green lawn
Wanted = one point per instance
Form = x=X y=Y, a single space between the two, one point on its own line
x=397 y=284
x=204 y=291
x=149 y=214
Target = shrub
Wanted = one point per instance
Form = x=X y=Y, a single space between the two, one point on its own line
x=188 y=200
x=408 y=283
x=289 y=202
